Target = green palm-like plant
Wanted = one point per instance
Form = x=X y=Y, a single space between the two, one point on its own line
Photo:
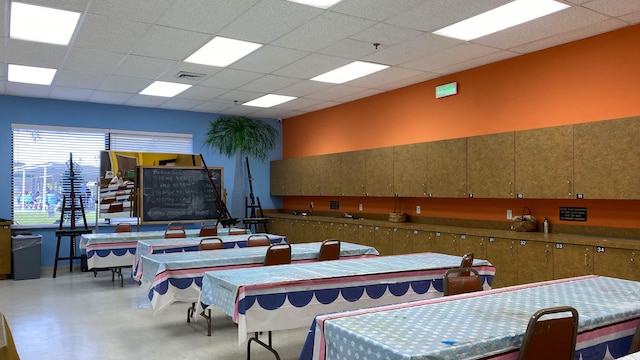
x=240 y=136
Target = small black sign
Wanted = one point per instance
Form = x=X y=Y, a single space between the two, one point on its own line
x=573 y=214
x=334 y=205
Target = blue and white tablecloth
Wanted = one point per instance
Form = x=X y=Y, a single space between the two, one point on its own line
x=175 y=277
x=488 y=324
x=289 y=296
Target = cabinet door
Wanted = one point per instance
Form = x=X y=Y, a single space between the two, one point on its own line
x=327 y=172
x=503 y=255
x=491 y=166
x=446 y=243
x=535 y=261
x=606 y=157
x=544 y=163
x=618 y=263
x=277 y=177
x=383 y=240
x=366 y=235
x=311 y=231
x=331 y=230
x=379 y=172
x=410 y=170
x=352 y=174
x=473 y=244
x=295 y=174
x=422 y=241
x=294 y=231
x=402 y=241
x=571 y=260
x=447 y=168
x=5 y=249
x=277 y=226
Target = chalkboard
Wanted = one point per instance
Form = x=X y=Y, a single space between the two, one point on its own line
x=185 y=194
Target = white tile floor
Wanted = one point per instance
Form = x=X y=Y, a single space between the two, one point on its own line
x=77 y=316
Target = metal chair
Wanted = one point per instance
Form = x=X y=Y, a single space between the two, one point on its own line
x=456 y=282
x=208 y=230
x=553 y=338
x=329 y=250
x=278 y=254
x=211 y=243
x=258 y=240
x=123 y=227
x=175 y=231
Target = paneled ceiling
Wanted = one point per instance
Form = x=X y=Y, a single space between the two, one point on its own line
x=122 y=46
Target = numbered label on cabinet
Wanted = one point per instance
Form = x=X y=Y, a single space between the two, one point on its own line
x=559 y=245
x=463 y=236
x=600 y=249
x=491 y=239
x=523 y=242
x=438 y=233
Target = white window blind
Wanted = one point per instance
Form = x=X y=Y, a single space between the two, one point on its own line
x=40 y=170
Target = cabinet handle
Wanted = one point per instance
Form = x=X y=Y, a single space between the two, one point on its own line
x=546 y=254
x=569 y=188
x=585 y=259
x=462 y=189
x=511 y=188
x=633 y=255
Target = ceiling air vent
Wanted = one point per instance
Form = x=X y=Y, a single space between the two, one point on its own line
x=185 y=75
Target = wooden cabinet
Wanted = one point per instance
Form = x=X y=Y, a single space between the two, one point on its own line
x=358 y=234
x=402 y=241
x=490 y=166
x=447 y=243
x=352 y=173
x=473 y=244
x=618 y=263
x=544 y=163
x=331 y=230
x=447 y=168
x=535 y=261
x=5 y=249
x=422 y=241
x=503 y=255
x=277 y=177
x=383 y=240
x=606 y=157
x=410 y=170
x=328 y=174
x=379 y=172
x=571 y=260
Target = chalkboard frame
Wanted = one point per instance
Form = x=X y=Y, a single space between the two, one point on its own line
x=144 y=173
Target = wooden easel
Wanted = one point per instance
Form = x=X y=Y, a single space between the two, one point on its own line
x=253 y=209
x=70 y=205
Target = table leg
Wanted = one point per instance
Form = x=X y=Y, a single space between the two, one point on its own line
x=269 y=346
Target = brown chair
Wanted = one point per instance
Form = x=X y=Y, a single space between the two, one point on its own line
x=258 y=240
x=208 y=230
x=175 y=231
x=211 y=243
x=278 y=254
x=237 y=231
x=455 y=282
x=467 y=260
x=123 y=227
x=553 y=338
x=329 y=250
x=635 y=341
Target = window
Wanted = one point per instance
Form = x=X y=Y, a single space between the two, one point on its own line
x=41 y=174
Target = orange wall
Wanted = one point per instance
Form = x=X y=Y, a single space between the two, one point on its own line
x=588 y=80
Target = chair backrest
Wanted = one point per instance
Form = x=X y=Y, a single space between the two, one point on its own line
x=258 y=240
x=208 y=230
x=635 y=341
x=456 y=282
x=278 y=254
x=329 y=250
x=123 y=227
x=211 y=243
x=467 y=260
x=552 y=338
x=175 y=231
x=237 y=231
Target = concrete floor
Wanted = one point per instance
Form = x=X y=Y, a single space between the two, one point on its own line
x=79 y=316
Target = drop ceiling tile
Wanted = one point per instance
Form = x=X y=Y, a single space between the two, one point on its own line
x=145 y=100
x=323 y=31
x=69 y=5
x=238 y=96
x=72 y=94
x=145 y=11
x=4 y=19
x=386 y=34
x=632 y=18
x=268 y=59
x=143 y=67
x=311 y=66
x=77 y=79
x=364 y=8
x=110 y=97
x=418 y=78
x=124 y=84
x=300 y=103
x=88 y=60
x=389 y=75
x=201 y=93
x=3 y=50
x=476 y=62
x=349 y=49
x=337 y=92
x=269 y=84
x=170 y=43
x=412 y=49
x=206 y=16
x=230 y=79
x=614 y=7
x=34 y=54
x=451 y=56
x=109 y=33
x=181 y=104
x=258 y=25
x=213 y=107
x=27 y=90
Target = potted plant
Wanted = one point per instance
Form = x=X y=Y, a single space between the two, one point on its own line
x=240 y=136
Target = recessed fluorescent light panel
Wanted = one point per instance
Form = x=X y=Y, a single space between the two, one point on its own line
x=349 y=72
x=500 y=18
x=42 y=24
x=30 y=74
x=322 y=4
x=269 y=100
x=164 y=89
x=221 y=52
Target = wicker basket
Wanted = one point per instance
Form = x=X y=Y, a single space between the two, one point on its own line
x=397 y=217
x=526 y=222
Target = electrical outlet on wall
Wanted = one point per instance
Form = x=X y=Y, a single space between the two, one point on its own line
x=418 y=210
x=509 y=215
x=359 y=207
x=311 y=205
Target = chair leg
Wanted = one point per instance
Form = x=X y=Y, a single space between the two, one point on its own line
x=268 y=346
